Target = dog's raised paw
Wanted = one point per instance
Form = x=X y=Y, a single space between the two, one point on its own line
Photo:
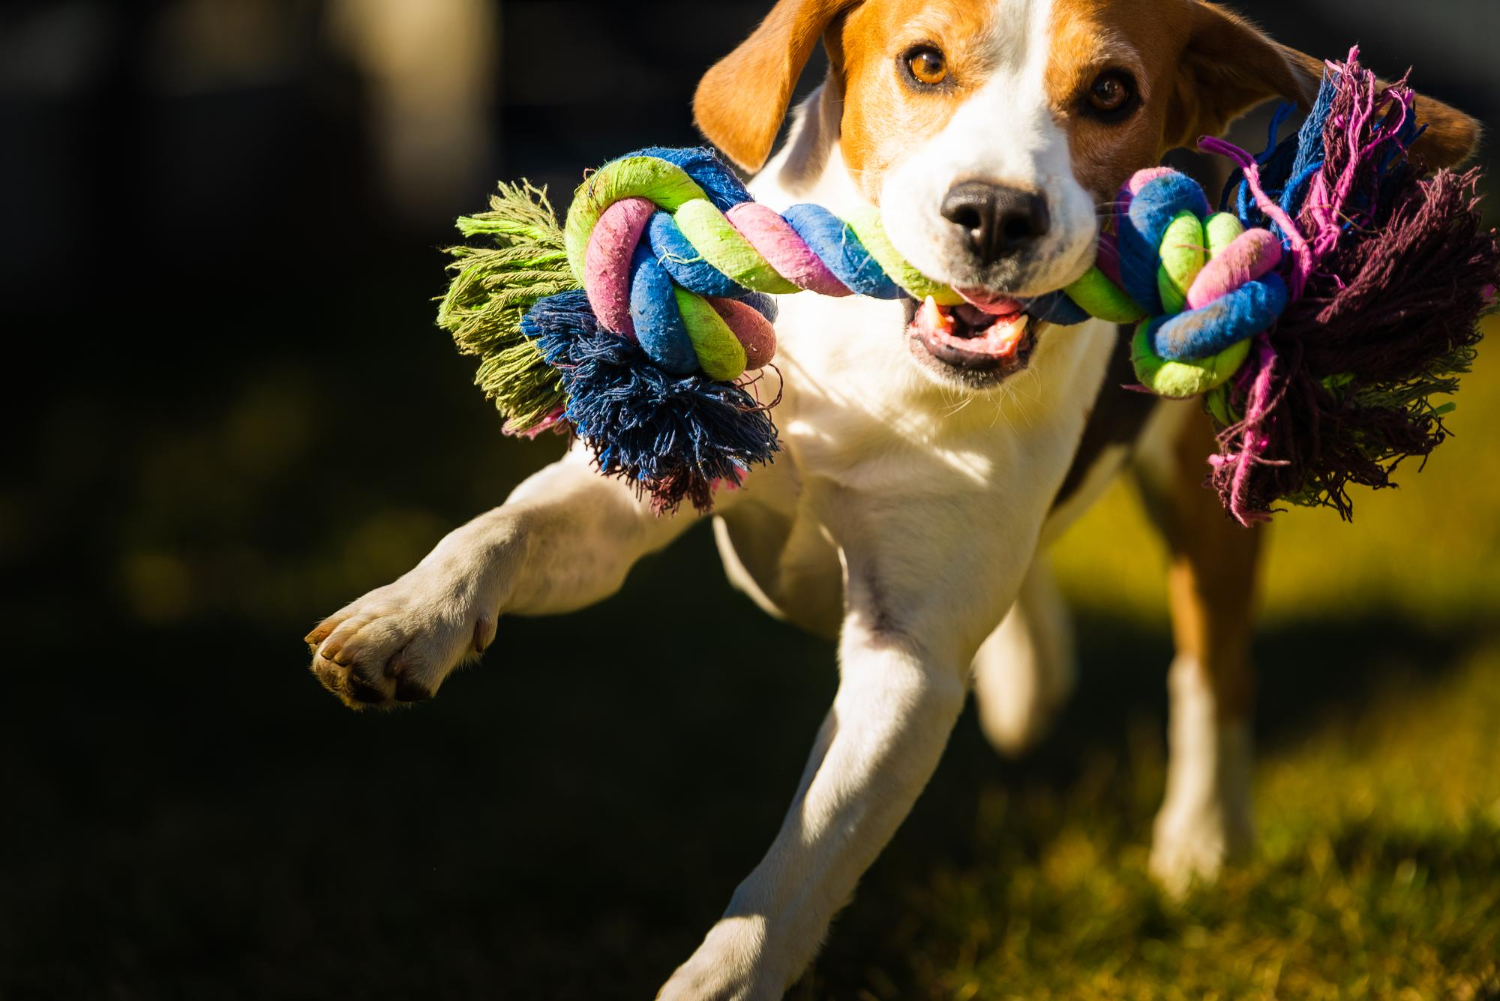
x=396 y=644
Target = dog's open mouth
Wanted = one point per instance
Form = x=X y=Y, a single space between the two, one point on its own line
x=983 y=335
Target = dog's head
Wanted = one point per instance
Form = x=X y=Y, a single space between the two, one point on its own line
x=993 y=132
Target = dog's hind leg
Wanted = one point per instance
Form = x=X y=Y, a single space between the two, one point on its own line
x=1205 y=818
x=1025 y=670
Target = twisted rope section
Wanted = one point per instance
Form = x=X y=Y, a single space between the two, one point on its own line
x=1205 y=283
x=675 y=255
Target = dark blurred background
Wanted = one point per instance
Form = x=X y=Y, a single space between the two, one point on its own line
x=229 y=412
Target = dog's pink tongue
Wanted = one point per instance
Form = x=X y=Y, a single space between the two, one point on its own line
x=991 y=302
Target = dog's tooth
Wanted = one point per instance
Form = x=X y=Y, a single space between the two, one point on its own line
x=931 y=317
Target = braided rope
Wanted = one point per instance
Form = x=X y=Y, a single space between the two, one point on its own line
x=1208 y=283
x=673 y=253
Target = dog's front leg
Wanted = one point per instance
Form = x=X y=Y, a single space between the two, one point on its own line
x=565 y=539
x=914 y=619
x=876 y=750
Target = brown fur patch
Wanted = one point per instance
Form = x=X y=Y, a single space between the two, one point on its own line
x=1211 y=580
x=1196 y=68
x=1088 y=38
x=882 y=115
x=743 y=98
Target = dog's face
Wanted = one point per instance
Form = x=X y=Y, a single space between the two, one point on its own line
x=993 y=133
x=960 y=121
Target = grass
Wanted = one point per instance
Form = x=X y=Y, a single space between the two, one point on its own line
x=1378 y=869
x=1376 y=876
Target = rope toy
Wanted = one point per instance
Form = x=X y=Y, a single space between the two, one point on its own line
x=1338 y=291
x=675 y=254
x=1207 y=282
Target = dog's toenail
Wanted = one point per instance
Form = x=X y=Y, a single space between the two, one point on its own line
x=411 y=691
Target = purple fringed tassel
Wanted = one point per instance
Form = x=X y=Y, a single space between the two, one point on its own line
x=1235 y=466
x=1390 y=273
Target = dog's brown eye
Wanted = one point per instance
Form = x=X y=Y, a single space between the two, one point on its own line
x=926 y=66
x=1112 y=95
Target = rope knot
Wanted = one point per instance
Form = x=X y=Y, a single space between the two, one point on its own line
x=1204 y=284
x=675 y=255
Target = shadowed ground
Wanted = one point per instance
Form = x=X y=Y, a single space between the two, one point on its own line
x=557 y=827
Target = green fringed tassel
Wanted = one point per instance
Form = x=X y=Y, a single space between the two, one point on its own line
x=494 y=287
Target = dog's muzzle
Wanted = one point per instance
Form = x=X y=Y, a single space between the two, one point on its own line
x=989 y=335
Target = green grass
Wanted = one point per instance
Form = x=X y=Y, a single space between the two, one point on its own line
x=1378 y=811
x=1378 y=875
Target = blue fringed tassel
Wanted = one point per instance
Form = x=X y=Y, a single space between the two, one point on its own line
x=675 y=436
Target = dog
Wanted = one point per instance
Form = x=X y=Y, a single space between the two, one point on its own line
x=929 y=455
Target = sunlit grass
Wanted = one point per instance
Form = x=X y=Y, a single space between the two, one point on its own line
x=1378 y=875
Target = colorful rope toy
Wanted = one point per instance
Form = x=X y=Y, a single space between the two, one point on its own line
x=1317 y=315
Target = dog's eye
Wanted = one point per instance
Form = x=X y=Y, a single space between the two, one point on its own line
x=1112 y=96
x=925 y=65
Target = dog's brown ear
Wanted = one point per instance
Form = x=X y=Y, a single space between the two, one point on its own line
x=743 y=98
x=1228 y=67
x=1451 y=137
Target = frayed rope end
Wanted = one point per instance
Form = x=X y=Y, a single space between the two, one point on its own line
x=1395 y=271
x=674 y=437
x=494 y=286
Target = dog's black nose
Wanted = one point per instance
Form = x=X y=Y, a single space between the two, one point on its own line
x=997 y=221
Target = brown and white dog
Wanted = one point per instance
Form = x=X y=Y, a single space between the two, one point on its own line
x=926 y=465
